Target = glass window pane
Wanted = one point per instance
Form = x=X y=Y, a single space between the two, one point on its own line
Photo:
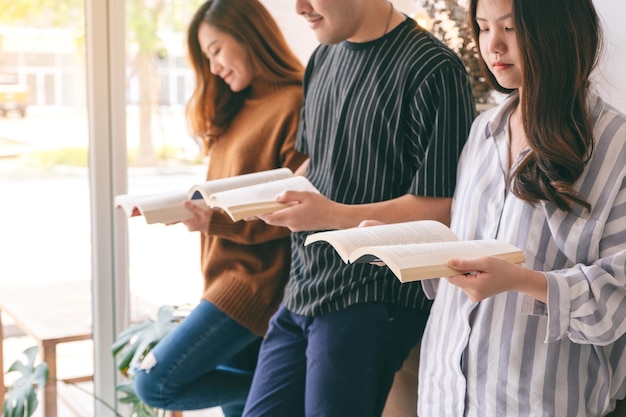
x=164 y=260
x=45 y=243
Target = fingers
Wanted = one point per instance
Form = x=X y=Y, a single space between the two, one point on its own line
x=277 y=218
x=201 y=219
x=484 y=277
x=468 y=265
x=291 y=196
x=194 y=208
x=367 y=223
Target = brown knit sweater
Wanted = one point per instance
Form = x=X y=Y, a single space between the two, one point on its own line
x=246 y=264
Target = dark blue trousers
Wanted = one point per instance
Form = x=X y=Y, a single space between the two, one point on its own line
x=340 y=364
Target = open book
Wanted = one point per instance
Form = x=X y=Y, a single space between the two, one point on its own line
x=413 y=250
x=240 y=197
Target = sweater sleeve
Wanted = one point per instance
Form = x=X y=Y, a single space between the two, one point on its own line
x=256 y=231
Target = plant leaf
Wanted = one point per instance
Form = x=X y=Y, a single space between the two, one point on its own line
x=139 y=408
x=21 y=397
x=134 y=343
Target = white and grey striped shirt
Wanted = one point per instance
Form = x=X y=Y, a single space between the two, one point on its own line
x=510 y=355
x=381 y=119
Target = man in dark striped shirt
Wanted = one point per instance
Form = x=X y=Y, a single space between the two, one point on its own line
x=387 y=111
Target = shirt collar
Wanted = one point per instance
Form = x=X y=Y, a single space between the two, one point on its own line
x=499 y=119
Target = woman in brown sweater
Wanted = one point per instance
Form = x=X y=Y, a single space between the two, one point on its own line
x=245 y=108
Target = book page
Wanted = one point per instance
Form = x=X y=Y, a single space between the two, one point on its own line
x=127 y=203
x=428 y=260
x=253 y=210
x=207 y=188
x=149 y=202
x=347 y=240
x=166 y=207
x=168 y=215
x=259 y=194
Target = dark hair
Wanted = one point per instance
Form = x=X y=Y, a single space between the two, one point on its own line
x=559 y=42
x=213 y=105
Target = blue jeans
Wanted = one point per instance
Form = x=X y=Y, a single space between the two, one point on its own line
x=340 y=364
x=206 y=361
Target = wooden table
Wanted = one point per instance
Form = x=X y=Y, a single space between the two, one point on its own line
x=51 y=314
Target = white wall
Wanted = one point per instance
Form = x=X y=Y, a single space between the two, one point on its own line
x=611 y=74
x=297 y=32
x=299 y=36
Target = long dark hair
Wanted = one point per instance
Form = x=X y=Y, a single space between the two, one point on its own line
x=559 y=42
x=213 y=105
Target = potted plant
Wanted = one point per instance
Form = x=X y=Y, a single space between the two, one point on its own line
x=134 y=343
x=129 y=349
x=450 y=24
x=20 y=400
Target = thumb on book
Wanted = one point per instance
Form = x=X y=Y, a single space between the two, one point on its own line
x=290 y=196
x=463 y=265
x=367 y=223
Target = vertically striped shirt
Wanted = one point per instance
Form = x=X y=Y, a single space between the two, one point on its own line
x=380 y=119
x=511 y=355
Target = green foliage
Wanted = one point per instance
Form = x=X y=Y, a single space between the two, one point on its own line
x=459 y=38
x=70 y=156
x=51 y=13
x=170 y=152
x=129 y=397
x=131 y=346
x=145 y=21
x=21 y=397
x=134 y=343
x=79 y=157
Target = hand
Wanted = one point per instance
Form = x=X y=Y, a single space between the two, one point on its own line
x=368 y=223
x=305 y=211
x=200 y=222
x=490 y=276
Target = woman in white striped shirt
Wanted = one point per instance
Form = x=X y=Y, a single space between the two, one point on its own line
x=546 y=171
